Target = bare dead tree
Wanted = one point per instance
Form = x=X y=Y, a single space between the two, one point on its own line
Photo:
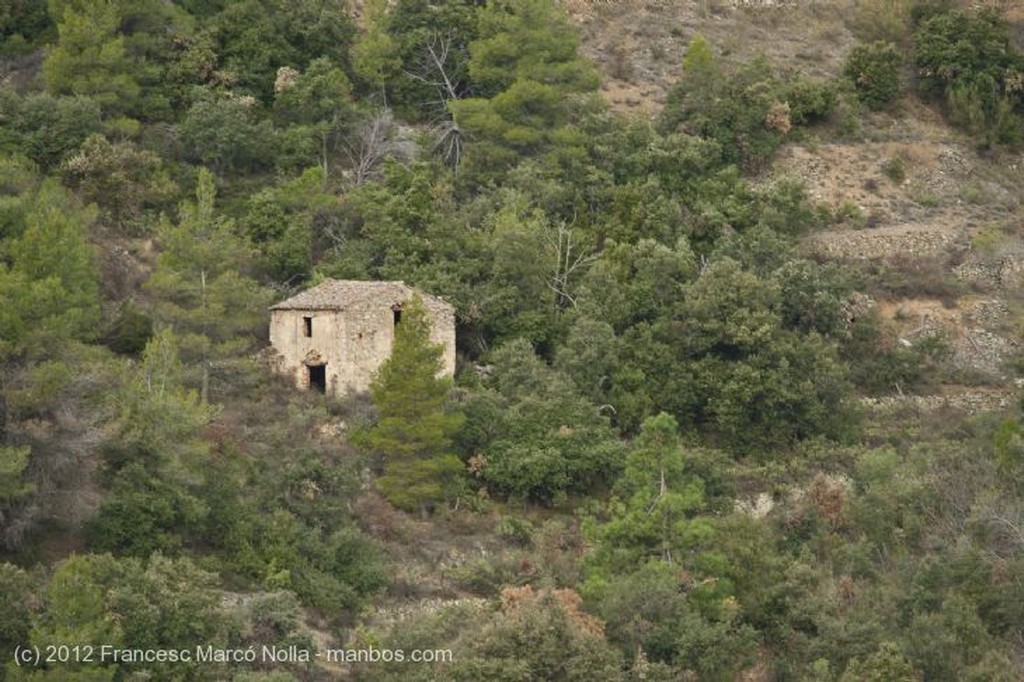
x=433 y=68
x=1010 y=524
x=1002 y=517
x=448 y=143
x=372 y=142
x=571 y=258
x=436 y=68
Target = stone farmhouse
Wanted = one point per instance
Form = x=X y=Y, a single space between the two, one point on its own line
x=333 y=337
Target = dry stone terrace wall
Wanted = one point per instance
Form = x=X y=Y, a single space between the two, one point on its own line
x=967 y=401
x=906 y=241
x=945 y=216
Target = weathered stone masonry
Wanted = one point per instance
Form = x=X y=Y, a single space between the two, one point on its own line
x=335 y=335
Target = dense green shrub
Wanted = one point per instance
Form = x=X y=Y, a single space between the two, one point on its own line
x=14 y=613
x=46 y=128
x=722 y=360
x=129 y=331
x=548 y=441
x=650 y=610
x=255 y=38
x=810 y=101
x=23 y=25
x=157 y=604
x=749 y=112
x=888 y=664
x=966 y=59
x=145 y=514
x=223 y=131
x=881 y=364
x=874 y=71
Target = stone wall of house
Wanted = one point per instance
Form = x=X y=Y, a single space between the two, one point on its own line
x=442 y=332
x=351 y=344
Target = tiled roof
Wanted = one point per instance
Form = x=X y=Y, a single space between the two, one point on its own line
x=339 y=294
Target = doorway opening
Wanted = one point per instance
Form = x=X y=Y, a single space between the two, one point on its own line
x=318 y=377
x=396 y=311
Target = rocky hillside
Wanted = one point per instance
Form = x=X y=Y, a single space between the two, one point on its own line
x=913 y=196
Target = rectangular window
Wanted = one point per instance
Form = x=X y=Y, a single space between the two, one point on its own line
x=307 y=327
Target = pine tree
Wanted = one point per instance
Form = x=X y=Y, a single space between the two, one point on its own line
x=90 y=57
x=49 y=285
x=413 y=433
x=653 y=503
x=201 y=289
x=374 y=55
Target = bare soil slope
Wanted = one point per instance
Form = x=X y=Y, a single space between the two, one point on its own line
x=639 y=44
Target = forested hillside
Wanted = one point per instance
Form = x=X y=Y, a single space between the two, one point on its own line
x=738 y=303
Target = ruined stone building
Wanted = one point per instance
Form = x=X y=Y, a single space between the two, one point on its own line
x=334 y=336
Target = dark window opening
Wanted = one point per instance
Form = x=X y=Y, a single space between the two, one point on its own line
x=318 y=377
x=307 y=326
x=396 y=311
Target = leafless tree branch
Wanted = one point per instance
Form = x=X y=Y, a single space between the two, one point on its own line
x=435 y=69
x=370 y=145
x=570 y=259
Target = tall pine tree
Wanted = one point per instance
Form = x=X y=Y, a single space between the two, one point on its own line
x=202 y=291
x=413 y=433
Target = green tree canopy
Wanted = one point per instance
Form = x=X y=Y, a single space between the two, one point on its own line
x=524 y=68
x=122 y=179
x=414 y=431
x=200 y=286
x=155 y=461
x=47 y=128
x=967 y=58
x=49 y=282
x=257 y=37
x=527 y=40
x=158 y=604
x=654 y=502
x=90 y=57
x=538 y=438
